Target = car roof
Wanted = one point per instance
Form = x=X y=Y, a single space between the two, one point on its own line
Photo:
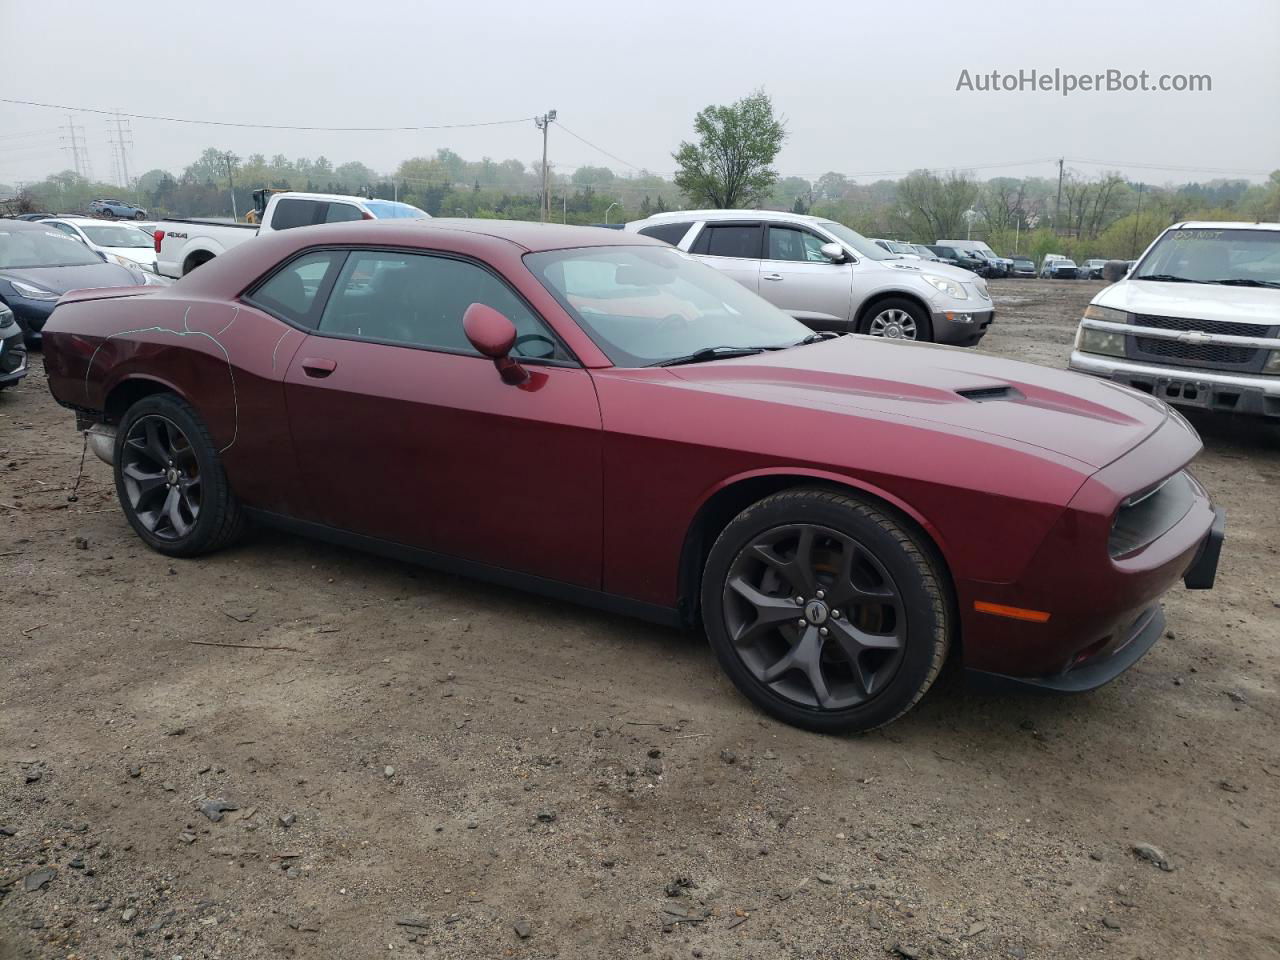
x=1226 y=225
x=89 y=221
x=731 y=215
x=6 y=225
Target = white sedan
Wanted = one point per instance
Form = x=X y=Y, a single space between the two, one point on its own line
x=122 y=242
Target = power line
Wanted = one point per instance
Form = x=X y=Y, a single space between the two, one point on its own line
x=264 y=126
x=611 y=156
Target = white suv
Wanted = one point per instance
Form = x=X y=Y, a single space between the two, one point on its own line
x=830 y=277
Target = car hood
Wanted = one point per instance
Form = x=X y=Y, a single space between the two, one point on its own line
x=143 y=255
x=1194 y=301
x=1090 y=421
x=959 y=274
x=62 y=279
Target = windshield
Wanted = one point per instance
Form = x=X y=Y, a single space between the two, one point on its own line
x=860 y=244
x=1203 y=255
x=117 y=236
x=646 y=305
x=43 y=248
x=391 y=210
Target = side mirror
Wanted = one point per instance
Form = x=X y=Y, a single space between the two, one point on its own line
x=1114 y=270
x=833 y=252
x=494 y=335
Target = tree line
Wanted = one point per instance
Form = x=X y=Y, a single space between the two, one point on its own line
x=730 y=163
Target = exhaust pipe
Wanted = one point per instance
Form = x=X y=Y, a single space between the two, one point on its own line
x=102 y=441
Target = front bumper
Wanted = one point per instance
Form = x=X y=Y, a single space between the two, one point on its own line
x=1187 y=386
x=30 y=314
x=949 y=326
x=13 y=357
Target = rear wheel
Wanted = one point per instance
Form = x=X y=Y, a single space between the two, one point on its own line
x=825 y=611
x=170 y=480
x=109 y=214
x=897 y=319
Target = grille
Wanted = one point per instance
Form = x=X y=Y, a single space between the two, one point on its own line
x=1205 y=326
x=1196 y=352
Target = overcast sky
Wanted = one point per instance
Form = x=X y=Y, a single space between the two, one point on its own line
x=866 y=88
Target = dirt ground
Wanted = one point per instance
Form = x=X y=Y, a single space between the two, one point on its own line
x=468 y=771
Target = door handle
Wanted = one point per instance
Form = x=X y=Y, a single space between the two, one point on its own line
x=772 y=276
x=318 y=367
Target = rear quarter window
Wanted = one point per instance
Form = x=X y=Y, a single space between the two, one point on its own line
x=671 y=233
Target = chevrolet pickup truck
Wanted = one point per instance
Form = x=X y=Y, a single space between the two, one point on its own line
x=1196 y=321
x=183 y=245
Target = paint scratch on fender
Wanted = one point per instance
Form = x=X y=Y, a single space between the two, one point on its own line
x=276 y=349
x=186 y=331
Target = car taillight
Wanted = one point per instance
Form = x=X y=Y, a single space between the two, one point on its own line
x=158 y=236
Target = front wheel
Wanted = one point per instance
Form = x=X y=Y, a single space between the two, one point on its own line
x=139 y=215
x=825 y=611
x=897 y=319
x=170 y=479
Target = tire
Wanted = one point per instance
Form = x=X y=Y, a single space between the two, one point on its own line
x=139 y=215
x=108 y=214
x=896 y=319
x=896 y=616
x=170 y=480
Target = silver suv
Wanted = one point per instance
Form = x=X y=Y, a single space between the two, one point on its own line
x=830 y=277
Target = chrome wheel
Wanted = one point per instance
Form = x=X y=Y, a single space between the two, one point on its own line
x=161 y=477
x=893 y=324
x=815 y=616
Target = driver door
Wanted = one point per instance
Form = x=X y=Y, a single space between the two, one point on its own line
x=405 y=433
x=798 y=279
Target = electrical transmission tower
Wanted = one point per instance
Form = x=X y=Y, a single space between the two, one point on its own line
x=75 y=144
x=120 y=136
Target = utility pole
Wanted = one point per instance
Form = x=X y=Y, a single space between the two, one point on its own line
x=231 y=159
x=123 y=140
x=1057 y=210
x=543 y=123
x=79 y=154
x=1137 y=219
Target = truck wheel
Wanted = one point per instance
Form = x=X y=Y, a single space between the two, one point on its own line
x=195 y=260
x=896 y=319
x=170 y=480
x=825 y=611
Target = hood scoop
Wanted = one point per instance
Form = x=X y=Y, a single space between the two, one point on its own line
x=986 y=394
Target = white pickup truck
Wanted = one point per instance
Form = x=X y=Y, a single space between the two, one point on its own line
x=1196 y=321
x=182 y=245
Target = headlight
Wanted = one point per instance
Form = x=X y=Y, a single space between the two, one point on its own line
x=33 y=293
x=123 y=261
x=1095 y=312
x=153 y=279
x=1273 y=364
x=1100 y=341
x=951 y=288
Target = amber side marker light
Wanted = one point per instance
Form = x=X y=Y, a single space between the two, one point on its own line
x=1013 y=613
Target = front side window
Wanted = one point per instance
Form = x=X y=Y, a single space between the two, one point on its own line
x=788 y=243
x=737 y=240
x=419 y=300
x=648 y=305
x=292 y=291
x=342 y=212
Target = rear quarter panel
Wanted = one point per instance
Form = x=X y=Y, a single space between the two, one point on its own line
x=226 y=360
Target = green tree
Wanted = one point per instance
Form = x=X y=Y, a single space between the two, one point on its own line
x=731 y=164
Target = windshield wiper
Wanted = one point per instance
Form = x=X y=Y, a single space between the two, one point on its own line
x=1245 y=282
x=817 y=337
x=710 y=353
x=1166 y=278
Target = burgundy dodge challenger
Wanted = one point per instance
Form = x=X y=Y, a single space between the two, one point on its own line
x=594 y=416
